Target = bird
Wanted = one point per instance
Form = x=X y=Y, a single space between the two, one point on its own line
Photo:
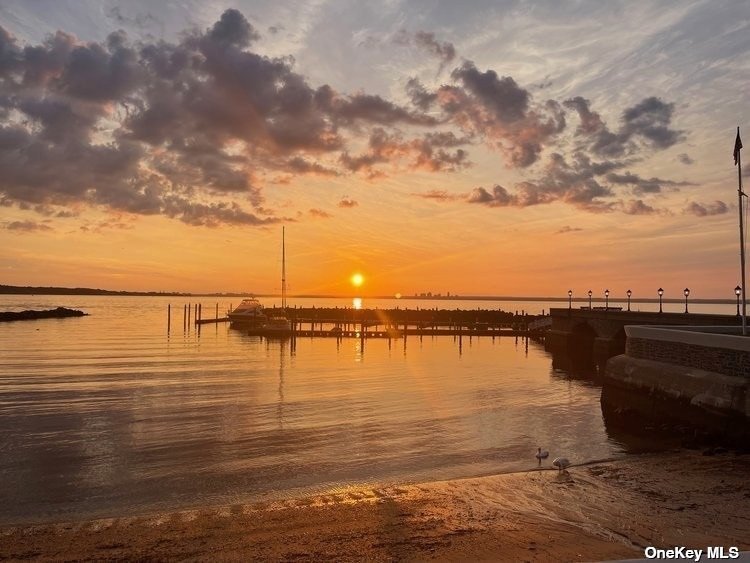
x=541 y=454
x=561 y=463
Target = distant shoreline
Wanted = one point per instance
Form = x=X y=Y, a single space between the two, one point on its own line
x=26 y=290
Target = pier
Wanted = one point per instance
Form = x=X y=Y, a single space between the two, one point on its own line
x=594 y=335
x=313 y=322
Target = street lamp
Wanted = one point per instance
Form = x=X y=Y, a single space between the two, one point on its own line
x=686 y=291
x=660 y=291
x=738 y=292
x=629 y=294
x=590 y=293
x=606 y=299
x=570 y=299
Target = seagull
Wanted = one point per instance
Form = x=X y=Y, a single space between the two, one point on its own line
x=561 y=463
x=541 y=454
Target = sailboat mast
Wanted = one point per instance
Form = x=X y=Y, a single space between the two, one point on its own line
x=283 y=270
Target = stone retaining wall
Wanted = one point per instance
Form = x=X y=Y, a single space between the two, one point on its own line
x=720 y=360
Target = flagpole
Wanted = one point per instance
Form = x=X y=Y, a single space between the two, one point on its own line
x=738 y=153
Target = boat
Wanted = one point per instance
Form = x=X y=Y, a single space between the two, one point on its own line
x=274 y=326
x=249 y=313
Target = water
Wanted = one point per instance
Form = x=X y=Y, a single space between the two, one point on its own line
x=108 y=415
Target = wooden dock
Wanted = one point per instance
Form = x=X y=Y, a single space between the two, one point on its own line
x=311 y=322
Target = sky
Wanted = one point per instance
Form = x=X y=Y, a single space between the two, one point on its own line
x=490 y=148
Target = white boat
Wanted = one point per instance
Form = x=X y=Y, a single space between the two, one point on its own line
x=248 y=313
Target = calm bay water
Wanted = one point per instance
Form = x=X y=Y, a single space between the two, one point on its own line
x=109 y=415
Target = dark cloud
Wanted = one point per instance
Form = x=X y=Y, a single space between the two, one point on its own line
x=347 y=203
x=190 y=129
x=172 y=128
x=637 y=207
x=502 y=97
x=591 y=122
x=498 y=110
x=706 y=209
x=442 y=50
x=646 y=124
x=643 y=185
x=427 y=153
x=685 y=158
x=233 y=29
x=26 y=226
x=419 y=95
x=300 y=165
x=347 y=110
x=577 y=182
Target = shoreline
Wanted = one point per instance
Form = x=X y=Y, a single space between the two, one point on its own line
x=597 y=510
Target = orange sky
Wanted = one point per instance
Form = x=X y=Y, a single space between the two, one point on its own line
x=429 y=151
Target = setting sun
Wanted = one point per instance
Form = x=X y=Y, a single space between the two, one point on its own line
x=357 y=279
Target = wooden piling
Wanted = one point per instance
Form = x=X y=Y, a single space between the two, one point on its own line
x=200 y=311
x=169 y=317
x=217 y=311
x=190 y=310
x=184 y=317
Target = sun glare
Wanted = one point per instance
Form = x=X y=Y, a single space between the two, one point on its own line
x=357 y=279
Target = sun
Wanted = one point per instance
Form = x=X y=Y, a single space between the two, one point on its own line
x=357 y=279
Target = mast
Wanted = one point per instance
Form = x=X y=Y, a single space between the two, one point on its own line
x=737 y=147
x=283 y=271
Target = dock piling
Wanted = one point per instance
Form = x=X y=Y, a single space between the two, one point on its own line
x=169 y=317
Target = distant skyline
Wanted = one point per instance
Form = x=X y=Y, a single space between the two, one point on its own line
x=501 y=148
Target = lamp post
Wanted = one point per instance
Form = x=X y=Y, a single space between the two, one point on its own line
x=590 y=293
x=606 y=299
x=660 y=291
x=570 y=299
x=738 y=292
x=686 y=291
x=629 y=294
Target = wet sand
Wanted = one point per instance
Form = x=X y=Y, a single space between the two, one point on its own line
x=599 y=511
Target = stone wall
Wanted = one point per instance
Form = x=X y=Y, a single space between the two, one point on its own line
x=720 y=360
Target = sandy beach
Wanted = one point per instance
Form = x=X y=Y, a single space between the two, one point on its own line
x=599 y=511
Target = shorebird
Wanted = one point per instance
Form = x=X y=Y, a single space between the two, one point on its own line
x=561 y=463
x=541 y=454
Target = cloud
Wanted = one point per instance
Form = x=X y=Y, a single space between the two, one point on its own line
x=429 y=152
x=637 y=207
x=300 y=165
x=585 y=184
x=567 y=229
x=647 y=124
x=685 y=158
x=26 y=226
x=706 y=209
x=442 y=50
x=347 y=203
x=319 y=213
x=182 y=129
x=500 y=111
x=643 y=185
x=197 y=128
x=440 y=195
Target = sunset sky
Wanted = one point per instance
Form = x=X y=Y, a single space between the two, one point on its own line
x=497 y=148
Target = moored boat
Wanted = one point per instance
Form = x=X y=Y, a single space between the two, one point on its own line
x=249 y=313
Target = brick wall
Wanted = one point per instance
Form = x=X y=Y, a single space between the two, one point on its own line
x=718 y=360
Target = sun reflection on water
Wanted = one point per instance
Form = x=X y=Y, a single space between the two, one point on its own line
x=357 y=302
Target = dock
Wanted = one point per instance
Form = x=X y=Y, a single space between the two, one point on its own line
x=312 y=322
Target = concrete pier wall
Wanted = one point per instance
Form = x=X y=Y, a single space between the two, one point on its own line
x=702 y=367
